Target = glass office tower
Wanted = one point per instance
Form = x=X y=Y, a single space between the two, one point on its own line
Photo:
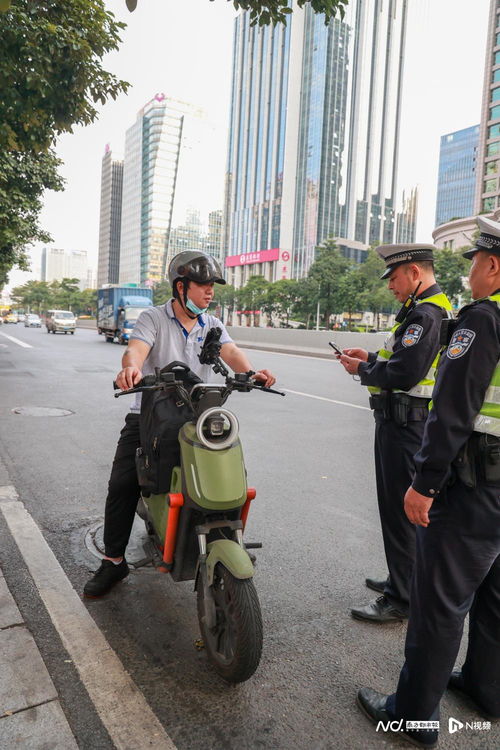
x=457 y=174
x=488 y=164
x=314 y=132
x=110 y=219
x=163 y=149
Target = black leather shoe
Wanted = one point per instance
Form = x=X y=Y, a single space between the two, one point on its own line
x=380 y=610
x=373 y=705
x=457 y=684
x=376 y=585
x=105 y=578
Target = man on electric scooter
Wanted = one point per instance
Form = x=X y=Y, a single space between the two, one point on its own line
x=174 y=331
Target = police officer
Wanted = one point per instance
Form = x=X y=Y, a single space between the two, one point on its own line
x=174 y=331
x=400 y=378
x=455 y=501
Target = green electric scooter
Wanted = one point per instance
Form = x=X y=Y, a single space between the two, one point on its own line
x=197 y=528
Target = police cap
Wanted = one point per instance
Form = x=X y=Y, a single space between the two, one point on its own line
x=489 y=237
x=396 y=255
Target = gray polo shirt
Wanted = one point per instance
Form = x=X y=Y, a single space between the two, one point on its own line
x=169 y=341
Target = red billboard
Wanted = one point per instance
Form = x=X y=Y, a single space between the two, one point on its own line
x=262 y=256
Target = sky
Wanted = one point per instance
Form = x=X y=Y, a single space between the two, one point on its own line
x=183 y=48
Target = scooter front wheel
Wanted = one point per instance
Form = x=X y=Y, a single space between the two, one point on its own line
x=234 y=645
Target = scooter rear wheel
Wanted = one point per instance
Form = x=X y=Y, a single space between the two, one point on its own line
x=234 y=645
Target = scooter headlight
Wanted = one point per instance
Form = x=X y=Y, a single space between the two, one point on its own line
x=217 y=428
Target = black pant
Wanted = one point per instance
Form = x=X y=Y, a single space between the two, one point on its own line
x=123 y=490
x=457 y=571
x=395 y=447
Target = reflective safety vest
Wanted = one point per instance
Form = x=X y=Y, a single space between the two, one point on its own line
x=488 y=419
x=424 y=388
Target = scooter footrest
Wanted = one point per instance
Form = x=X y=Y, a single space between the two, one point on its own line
x=253 y=545
x=164 y=567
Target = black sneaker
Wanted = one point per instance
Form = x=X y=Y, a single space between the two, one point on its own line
x=105 y=578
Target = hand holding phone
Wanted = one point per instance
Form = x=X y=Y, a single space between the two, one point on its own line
x=335 y=348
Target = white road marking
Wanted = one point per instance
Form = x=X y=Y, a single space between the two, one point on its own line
x=16 y=341
x=121 y=706
x=322 y=398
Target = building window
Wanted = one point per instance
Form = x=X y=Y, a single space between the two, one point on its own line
x=495 y=111
x=495 y=94
x=496 y=59
x=491 y=167
x=497 y=41
x=496 y=76
x=493 y=148
x=490 y=186
x=489 y=204
x=494 y=131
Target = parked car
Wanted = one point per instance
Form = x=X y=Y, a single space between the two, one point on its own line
x=60 y=320
x=10 y=318
x=32 y=321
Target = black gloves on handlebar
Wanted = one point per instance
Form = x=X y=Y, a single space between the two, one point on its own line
x=210 y=350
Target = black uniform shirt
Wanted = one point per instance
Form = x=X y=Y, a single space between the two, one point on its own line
x=464 y=374
x=411 y=360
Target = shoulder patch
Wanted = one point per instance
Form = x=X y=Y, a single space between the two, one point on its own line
x=412 y=335
x=460 y=342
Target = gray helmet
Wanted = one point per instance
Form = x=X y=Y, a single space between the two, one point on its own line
x=194 y=265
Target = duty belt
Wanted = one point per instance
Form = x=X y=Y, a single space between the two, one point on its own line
x=400 y=407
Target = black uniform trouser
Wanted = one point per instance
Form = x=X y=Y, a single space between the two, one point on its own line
x=395 y=447
x=457 y=571
x=123 y=490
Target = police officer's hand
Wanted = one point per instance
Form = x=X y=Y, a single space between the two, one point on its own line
x=357 y=353
x=265 y=378
x=128 y=377
x=351 y=364
x=417 y=507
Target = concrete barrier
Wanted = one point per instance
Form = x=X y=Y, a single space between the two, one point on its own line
x=290 y=341
x=312 y=343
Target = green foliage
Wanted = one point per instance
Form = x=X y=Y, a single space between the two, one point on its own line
x=23 y=178
x=451 y=268
x=50 y=69
x=277 y=11
x=51 y=79
x=162 y=292
x=60 y=295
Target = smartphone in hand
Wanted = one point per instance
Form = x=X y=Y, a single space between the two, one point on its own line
x=336 y=348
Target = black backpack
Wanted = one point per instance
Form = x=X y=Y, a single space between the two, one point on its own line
x=163 y=412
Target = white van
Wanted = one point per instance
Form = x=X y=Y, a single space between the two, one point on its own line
x=62 y=321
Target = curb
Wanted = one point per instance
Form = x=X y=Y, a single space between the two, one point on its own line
x=31 y=716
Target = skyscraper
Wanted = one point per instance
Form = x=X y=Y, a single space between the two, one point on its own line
x=457 y=174
x=59 y=264
x=314 y=134
x=488 y=172
x=162 y=171
x=110 y=219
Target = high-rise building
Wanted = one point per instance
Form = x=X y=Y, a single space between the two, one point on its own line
x=488 y=162
x=110 y=219
x=59 y=264
x=457 y=174
x=406 y=224
x=166 y=152
x=314 y=135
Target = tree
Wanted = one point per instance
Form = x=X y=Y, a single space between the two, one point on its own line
x=451 y=268
x=276 y=11
x=253 y=294
x=374 y=295
x=34 y=295
x=162 y=292
x=327 y=272
x=23 y=179
x=283 y=296
x=51 y=78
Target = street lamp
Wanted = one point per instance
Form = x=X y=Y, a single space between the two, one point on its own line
x=317 y=307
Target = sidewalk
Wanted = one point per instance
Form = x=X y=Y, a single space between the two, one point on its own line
x=31 y=716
